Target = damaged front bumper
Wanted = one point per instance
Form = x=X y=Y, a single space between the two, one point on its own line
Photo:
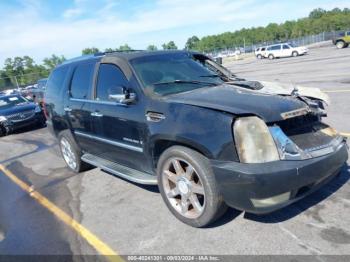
x=266 y=187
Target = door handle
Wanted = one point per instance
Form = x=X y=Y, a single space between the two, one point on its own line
x=67 y=109
x=97 y=114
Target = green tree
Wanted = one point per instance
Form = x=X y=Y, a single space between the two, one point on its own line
x=90 y=51
x=53 y=61
x=125 y=47
x=152 y=48
x=191 y=43
x=170 y=46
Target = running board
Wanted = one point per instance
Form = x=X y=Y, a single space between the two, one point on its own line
x=119 y=170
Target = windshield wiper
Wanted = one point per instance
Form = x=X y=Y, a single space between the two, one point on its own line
x=213 y=75
x=185 y=82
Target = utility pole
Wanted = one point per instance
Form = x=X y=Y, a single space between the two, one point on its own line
x=244 y=43
x=16 y=83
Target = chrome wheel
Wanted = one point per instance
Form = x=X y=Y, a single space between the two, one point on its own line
x=340 y=44
x=68 y=153
x=183 y=188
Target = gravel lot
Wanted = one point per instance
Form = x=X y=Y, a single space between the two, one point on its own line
x=133 y=219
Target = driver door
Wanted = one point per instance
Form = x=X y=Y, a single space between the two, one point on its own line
x=118 y=128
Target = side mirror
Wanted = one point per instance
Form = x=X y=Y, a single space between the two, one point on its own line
x=123 y=95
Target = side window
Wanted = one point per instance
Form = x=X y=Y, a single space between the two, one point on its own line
x=56 y=81
x=286 y=47
x=110 y=81
x=82 y=81
x=276 y=47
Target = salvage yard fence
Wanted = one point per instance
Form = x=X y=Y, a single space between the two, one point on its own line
x=17 y=81
x=300 y=41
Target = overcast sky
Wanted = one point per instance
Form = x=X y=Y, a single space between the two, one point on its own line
x=39 y=28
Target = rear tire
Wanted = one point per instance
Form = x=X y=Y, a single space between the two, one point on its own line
x=188 y=187
x=340 y=44
x=271 y=56
x=71 y=152
x=2 y=131
x=295 y=54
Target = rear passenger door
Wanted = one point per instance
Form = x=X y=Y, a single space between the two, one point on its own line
x=118 y=128
x=77 y=104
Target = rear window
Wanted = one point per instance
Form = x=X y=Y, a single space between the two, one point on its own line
x=82 y=80
x=56 y=81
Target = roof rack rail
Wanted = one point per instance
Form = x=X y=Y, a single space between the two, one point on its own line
x=117 y=51
x=79 y=58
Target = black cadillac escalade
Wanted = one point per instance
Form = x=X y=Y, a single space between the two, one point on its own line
x=207 y=138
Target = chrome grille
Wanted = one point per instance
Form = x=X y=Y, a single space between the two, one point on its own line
x=21 y=116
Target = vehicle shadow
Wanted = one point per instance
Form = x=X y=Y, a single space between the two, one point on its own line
x=26 y=129
x=304 y=204
x=150 y=188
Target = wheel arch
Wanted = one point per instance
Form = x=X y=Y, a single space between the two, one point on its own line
x=160 y=144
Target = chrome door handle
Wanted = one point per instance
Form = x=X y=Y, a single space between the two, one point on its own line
x=97 y=114
x=67 y=109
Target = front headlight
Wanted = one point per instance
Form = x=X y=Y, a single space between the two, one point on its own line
x=37 y=109
x=3 y=119
x=253 y=140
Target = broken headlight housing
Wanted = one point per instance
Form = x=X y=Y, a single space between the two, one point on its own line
x=254 y=141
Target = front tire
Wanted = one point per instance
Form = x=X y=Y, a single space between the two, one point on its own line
x=295 y=54
x=188 y=187
x=340 y=44
x=271 y=56
x=259 y=56
x=71 y=152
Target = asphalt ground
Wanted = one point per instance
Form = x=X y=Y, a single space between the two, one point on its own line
x=133 y=220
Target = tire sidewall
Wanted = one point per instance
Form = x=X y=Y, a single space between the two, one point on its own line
x=204 y=171
x=295 y=54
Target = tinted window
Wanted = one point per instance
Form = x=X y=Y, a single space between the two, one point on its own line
x=263 y=49
x=286 y=47
x=110 y=80
x=82 y=80
x=275 y=47
x=56 y=81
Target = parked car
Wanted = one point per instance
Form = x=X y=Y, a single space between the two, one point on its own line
x=260 y=52
x=285 y=50
x=38 y=92
x=342 y=40
x=208 y=139
x=17 y=112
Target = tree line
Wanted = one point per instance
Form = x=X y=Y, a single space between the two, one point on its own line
x=24 y=71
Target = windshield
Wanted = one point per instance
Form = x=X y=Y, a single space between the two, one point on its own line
x=293 y=45
x=173 y=73
x=10 y=101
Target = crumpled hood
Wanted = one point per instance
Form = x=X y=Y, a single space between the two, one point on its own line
x=17 y=109
x=287 y=89
x=240 y=101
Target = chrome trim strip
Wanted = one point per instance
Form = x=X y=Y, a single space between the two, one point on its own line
x=97 y=102
x=114 y=143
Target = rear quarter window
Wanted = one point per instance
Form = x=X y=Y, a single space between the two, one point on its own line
x=56 y=81
x=82 y=80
